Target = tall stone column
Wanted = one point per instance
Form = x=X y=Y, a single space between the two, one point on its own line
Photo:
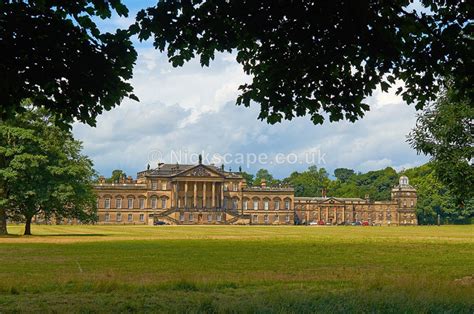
x=221 y=201
x=195 y=195
x=204 y=199
x=213 y=195
x=344 y=214
x=185 y=194
x=327 y=214
x=176 y=193
x=335 y=214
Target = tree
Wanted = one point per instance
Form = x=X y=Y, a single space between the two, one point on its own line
x=43 y=172
x=343 y=174
x=117 y=174
x=316 y=57
x=248 y=178
x=310 y=182
x=264 y=174
x=54 y=55
x=444 y=130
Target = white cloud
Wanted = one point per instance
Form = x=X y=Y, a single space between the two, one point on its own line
x=193 y=109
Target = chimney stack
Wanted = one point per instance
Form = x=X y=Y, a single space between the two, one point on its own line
x=323 y=193
x=263 y=183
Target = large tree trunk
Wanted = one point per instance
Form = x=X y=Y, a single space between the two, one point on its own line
x=28 y=225
x=3 y=222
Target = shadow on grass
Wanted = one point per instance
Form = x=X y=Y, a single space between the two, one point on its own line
x=16 y=236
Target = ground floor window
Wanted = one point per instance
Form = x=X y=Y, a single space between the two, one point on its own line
x=219 y=217
x=265 y=219
x=287 y=219
x=209 y=217
x=130 y=217
x=107 y=217
x=191 y=217
x=255 y=218
x=181 y=217
x=277 y=219
x=119 y=216
x=142 y=217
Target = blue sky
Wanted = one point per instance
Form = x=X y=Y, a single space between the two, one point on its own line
x=192 y=110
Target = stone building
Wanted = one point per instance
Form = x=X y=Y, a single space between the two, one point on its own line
x=206 y=194
x=400 y=210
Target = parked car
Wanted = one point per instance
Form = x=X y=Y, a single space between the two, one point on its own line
x=321 y=223
x=357 y=223
x=313 y=223
x=365 y=223
x=160 y=223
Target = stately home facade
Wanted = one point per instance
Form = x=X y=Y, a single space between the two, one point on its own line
x=206 y=194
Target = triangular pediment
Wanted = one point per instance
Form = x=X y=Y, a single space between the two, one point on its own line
x=332 y=200
x=200 y=171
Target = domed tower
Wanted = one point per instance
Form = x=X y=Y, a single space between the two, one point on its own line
x=406 y=197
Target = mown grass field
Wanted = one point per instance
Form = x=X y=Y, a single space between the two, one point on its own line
x=238 y=269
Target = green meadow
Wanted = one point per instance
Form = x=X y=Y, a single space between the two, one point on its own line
x=214 y=269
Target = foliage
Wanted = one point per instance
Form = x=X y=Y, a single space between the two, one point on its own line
x=313 y=57
x=117 y=174
x=445 y=131
x=343 y=174
x=43 y=171
x=265 y=174
x=310 y=182
x=54 y=54
x=248 y=178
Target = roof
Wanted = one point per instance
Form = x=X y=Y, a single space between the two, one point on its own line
x=322 y=199
x=173 y=170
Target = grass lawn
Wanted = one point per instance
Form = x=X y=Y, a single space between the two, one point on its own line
x=237 y=269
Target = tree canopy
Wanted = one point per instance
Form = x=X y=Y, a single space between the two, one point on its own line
x=54 y=55
x=317 y=57
x=43 y=172
x=445 y=131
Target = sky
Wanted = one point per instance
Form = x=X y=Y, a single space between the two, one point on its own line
x=191 y=110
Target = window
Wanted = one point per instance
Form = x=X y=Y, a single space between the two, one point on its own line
x=265 y=204
x=225 y=202
x=235 y=187
x=107 y=217
x=245 y=205
x=277 y=218
x=235 y=203
x=118 y=203
x=97 y=203
x=265 y=219
x=154 y=186
x=130 y=203
x=287 y=218
x=107 y=203
x=255 y=218
x=142 y=203
x=163 y=202
x=191 y=217
x=164 y=186
x=119 y=216
x=404 y=203
x=142 y=217
x=277 y=205
x=219 y=217
x=287 y=204
x=411 y=203
x=209 y=217
x=225 y=187
x=181 y=217
x=153 y=202
x=130 y=217
x=255 y=204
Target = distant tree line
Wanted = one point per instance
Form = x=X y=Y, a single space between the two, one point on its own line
x=434 y=197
